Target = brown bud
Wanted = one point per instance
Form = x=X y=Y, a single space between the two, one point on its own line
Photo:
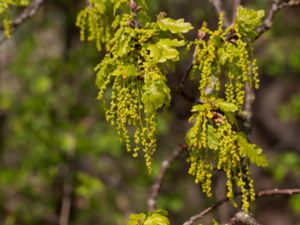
x=133 y=5
x=201 y=34
x=130 y=23
x=217 y=117
x=161 y=15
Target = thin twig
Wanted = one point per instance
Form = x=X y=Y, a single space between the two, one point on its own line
x=217 y=4
x=200 y=215
x=276 y=6
x=264 y=193
x=66 y=203
x=155 y=189
x=235 y=7
x=276 y=191
x=28 y=12
x=186 y=74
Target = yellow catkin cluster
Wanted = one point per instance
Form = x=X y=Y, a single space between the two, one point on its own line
x=139 y=87
x=94 y=25
x=200 y=167
x=225 y=156
x=225 y=58
x=126 y=110
x=7 y=28
x=230 y=162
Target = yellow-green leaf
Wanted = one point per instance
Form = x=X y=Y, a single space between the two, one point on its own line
x=174 y=26
x=164 y=50
x=225 y=106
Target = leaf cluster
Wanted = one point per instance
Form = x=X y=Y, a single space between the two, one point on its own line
x=158 y=217
x=5 y=4
x=135 y=68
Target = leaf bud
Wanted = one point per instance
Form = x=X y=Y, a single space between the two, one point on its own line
x=161 y=15
x=201 y=34
x=130 y=23
x=133 y=5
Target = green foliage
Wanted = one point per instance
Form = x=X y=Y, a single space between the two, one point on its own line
x=94 y=21
x=247 y=20
x=88 y=186
x=5 y=4
x=291 y=110
x=47 y=124
x=165 y=49
x=295 y=203
x=174 y=26
x=214 y=140
x=285 y=164
x=134 y=66
x=158 y=217
x=251 y=151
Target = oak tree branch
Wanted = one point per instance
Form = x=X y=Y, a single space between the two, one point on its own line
x=276 y=6
x=260 y=194
x=28 y=13
x=217 y=4
x=156 y=187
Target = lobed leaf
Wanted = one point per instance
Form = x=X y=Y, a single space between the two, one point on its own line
x=164 y=50
x=174 y=26
x=247 y=20
x=225 y=106
x=251 y=151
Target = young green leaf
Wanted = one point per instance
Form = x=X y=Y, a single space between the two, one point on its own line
x=225 y=106
x=136 y=219
x=247 y=20
x=175 y=26
x=251 y=151
x=163 y=50
x=212 y=138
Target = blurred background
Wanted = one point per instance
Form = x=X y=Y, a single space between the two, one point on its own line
x=61 y=163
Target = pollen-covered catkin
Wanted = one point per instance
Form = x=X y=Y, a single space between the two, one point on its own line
x=225 y=63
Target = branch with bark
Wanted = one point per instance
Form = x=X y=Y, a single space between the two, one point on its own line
x=260 y=194
x=276 y=6
x=28 y=13
x=218 y=6
x=156 y=187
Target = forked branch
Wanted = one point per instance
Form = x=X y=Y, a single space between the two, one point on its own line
x=218 y=6
x=28 y=13
x=156 y=187
x=276 y=6
x=260 y=194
